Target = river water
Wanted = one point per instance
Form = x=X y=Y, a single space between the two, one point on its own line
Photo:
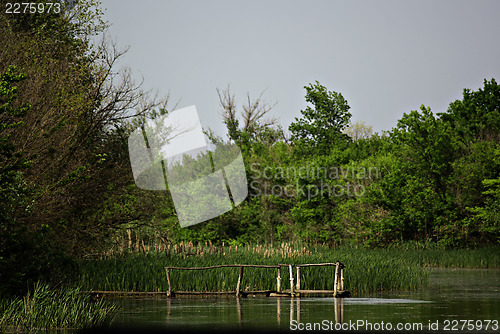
x=456 y=300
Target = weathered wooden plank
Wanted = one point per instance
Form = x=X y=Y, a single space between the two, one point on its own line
x=335 y=284
x=225 y=266
x=317 y=264
x=135 y=293
x=298 y=278
x=278 y=287
x=315 y=291
x=169 y=284
x=238 y=285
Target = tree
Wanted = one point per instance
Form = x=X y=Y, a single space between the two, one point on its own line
x=430 y=144
x=358 y=130
x=254 y=125
x=321 y=126
x=12 y=163
x=75 y=131
x=477 y=115
x=19 y=258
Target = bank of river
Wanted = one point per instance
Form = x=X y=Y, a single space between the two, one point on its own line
x=453 y=296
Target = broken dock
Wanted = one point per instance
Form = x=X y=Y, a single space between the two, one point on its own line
x=293 y=291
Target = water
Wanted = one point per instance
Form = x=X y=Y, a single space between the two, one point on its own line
x=454 y=296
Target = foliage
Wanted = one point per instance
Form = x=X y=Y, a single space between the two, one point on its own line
x=424 y=184
x=486 y=218
x=251 y=125
x=11 y=161
x=358 y=130
x=321 y=127
x=13 y=188
x=63 y=114
x=477 y=114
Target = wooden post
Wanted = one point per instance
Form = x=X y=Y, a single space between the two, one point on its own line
x=336 y=279
x=292 y=292
x=298 y=278
x=342 y=278
x=279 y=310
x=238 y=286
x=169 y=294
x=278 y=287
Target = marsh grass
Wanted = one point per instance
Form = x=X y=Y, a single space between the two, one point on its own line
x=44 y=308
x=366 y=270
x=484 y=257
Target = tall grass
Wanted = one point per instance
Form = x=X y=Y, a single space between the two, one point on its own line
x=50 y=309
x=485 y=257
x=366 y=270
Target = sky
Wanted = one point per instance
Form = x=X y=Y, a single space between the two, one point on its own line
x=385 y=57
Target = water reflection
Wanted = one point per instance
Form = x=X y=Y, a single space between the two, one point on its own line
x=453 y=294
x=245 y=309
x=279 y=310
x=339 y=310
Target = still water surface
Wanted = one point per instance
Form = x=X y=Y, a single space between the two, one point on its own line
x=452 y=295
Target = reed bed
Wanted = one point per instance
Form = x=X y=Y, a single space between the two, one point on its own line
x=484 y=257
x=426 y=254
x=44 y=308
x=366 y=270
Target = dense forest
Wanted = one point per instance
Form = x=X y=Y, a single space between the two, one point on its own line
x=67 y=189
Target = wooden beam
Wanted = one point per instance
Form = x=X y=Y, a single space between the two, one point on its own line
x=341 y=278
x=225 y=266
x=335 y=284
x=298 y=278
x=278 y=284
x=169 y=284
x=238 y=285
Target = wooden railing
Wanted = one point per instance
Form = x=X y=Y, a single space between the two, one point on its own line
x=338 y=289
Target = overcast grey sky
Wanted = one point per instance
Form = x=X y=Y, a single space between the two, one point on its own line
x=385 y=57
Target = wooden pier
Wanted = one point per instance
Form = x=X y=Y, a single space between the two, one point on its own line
x=294 y=290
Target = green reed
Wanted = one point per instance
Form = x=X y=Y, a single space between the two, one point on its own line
x=44 y=308
x=484 y=257
x=366 y=270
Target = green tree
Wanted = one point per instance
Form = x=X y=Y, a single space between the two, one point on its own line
x=477 y=114
x=430 y=144
x=19 y=256
x=74 y=133
x=12 y=163
x=321 y=126
x=358 y=130
x=486 y=217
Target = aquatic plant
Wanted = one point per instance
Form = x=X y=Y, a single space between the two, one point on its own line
x=44 y=308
